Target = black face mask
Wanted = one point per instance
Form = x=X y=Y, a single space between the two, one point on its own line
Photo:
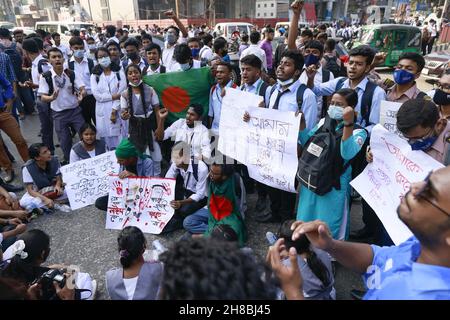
x=133 y=56
x=441 y=98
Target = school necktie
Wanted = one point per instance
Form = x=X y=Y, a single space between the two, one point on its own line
x=277 y=101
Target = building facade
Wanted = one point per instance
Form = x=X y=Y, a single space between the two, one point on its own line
x=272 y=9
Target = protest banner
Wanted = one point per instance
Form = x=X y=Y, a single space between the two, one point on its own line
x=267 y=144
x=385 y=181
x=87 y=180
x=388 y=116
x=141 y=202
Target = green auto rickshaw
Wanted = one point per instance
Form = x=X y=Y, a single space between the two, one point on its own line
x=394 y=39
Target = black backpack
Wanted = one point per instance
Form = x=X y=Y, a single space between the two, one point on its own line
x=332 y=66
x=16 y=60
x=162 y=69
x=48 y=78
x=320 y=165
x=41 y=63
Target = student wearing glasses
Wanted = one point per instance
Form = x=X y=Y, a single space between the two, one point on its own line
x=419 y=268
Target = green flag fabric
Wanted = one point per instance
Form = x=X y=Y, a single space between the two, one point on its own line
x=177 y=90
x=223 y=209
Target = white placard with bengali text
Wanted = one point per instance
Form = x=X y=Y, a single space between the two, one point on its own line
x=87 y=180
x=386 y=180
x=141 y=202
x=267 y=144
x=388 y=116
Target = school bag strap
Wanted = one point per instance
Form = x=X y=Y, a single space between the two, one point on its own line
x=71 y=65
x=366 y=102
x=41 y=63
x=300 y=93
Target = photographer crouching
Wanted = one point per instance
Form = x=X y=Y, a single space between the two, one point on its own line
x=22 y=267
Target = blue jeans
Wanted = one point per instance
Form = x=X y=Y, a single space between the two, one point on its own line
x=197 y=222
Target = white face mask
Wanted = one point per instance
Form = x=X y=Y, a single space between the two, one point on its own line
x=136 y=84
x=286 y=82
x=92 y=46
x=336 y=112
x=185 y=66
x=105 y=62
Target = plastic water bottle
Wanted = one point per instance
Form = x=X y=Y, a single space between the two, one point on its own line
x=62 y=207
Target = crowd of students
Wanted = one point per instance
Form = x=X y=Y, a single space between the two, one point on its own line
x=99 y=93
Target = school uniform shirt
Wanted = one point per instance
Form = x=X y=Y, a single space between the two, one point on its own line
x=215 y=106
x=317 y=80
x=328 y=88
x=198 y=187
x=74 y=157
x=288 y=102
x=197 y=137
x=28 y=179
x=157 y=71
x=66 y=99
x=141 y=64
x=409 y=94
x=252 y=88
x=138 y=109
x=196 y=64
x=168 y=59
x=35 y=75
x=401 y=277
x=82 y=70
x=257 y=51
x=206 y=53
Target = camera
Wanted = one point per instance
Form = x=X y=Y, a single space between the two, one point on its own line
x=46 y=281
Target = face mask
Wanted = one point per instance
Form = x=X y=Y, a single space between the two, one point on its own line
x=104 y=62
x=136 y=84
x=171 y=39
x=133 y=56
x=185 y=66
x=92 y=46
x=335 y=112
x=195 y=52
x=311 y=59
x=285 y=83
x=403 y=77
x=423 y=144
x=79 y=54
x=441 y=98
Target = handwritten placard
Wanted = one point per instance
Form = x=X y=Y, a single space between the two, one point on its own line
x=267 y=144
x=87 y=180
x=385 y=181
x=388 y=116
x=141 y=202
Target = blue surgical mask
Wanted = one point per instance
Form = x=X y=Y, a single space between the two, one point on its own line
x=311 y=59
x=403 y=77
x=185 y=66
x=171 y=38
x=336 y=112
x=79 y=54
x=423 y=144
x=104 y=62
x=195 y=52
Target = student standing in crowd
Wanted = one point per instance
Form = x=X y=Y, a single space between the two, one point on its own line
x=194 y=44
x=330 y=186
x=266 y=45
x=256 y=50
x=137 y=279
x=88 y=146
x=114 y=52
x=64 y=49
x=185 y=59
x=139 y=104
x=64 y=90
x=172 y=37
x=108 y=81
x=132 y=48
x=83 y=67
x=153 y=54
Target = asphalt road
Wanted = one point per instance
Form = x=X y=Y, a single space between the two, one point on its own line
x=80 y=237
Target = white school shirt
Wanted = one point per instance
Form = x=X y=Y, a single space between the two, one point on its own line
x=28 y=179
x=137 y=108
x=257 y=51
x=189 y=182
x=206 y=53
x=168 y=59
x=66 y=99
x=197 y=137
x=130 y=286
x=82 y=70
x=34 y=69
x=176 y=67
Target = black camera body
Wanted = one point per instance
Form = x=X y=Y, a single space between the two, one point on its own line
x=46 y=281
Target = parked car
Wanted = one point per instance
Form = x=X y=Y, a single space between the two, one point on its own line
x=435 y=65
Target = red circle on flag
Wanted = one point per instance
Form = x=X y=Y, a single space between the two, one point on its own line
x=175 y=99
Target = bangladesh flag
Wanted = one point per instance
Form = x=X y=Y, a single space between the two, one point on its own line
x=223 y=209
x=177 y=90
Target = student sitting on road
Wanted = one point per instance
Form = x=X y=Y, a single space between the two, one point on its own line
x=42 y=179
x=89 y=146
x=137 y=279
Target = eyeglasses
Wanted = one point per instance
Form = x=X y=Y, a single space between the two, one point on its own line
x=426 y=193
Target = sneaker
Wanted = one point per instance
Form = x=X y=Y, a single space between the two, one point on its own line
x=271 y=238
x=94 y=290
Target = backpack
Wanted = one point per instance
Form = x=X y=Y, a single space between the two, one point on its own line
x=366 y=101
x=71 y=65
x=320 y=165
x=48 y=78
x=300 y=92
x=162 y=69
x=41 y=63
x=16 y=60
x=332 y=66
